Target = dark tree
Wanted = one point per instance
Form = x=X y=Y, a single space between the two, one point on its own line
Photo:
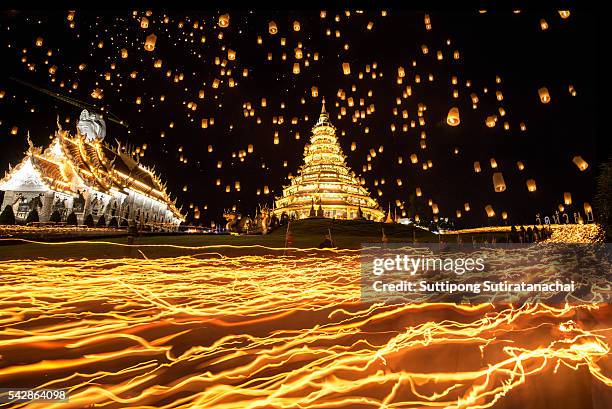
x=89 y=221
x=101 y=222
x=55 y=217
x=113 y=223
x=32 y=217
x=72 y=220
x=603 y=197
x=7 y=216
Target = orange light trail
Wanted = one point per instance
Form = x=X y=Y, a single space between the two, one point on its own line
x=273 y=331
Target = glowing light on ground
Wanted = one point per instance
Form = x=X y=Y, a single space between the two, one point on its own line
x=272 y=331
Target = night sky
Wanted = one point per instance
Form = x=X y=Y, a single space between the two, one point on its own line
x=509 y=45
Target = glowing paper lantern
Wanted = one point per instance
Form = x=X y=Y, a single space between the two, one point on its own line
x=489 y=210
x=272 y=29
x=580 y=163
x=567 y=198
x=224 y=20
x=477 y=167
x=144 y=22
x=466 y=206
x=498 y=182
x=346 y=68
x=531 y=185
x=544 y=95
x=296 y=26
x=124 y=53
x=520 y=165
x=452 y=118
x=150 y=42
x=490 y=121
x=493 y=163
x=564 y=13
x=418 y=192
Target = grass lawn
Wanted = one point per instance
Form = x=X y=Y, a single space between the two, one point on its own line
x=308 y=233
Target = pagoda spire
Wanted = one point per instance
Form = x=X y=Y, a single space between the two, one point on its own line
x=324 y=116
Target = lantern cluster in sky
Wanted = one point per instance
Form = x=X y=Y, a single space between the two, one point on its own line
x=223 y=100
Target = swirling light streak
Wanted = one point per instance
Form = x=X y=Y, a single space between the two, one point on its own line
x=273 y=331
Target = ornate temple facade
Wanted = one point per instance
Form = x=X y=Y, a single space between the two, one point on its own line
x=84 y=175
x=325 y=186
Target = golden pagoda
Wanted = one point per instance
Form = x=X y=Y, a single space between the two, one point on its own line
x=325 y=186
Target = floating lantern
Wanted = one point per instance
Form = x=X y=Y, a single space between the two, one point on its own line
x=531 y=185
x=544 y=95
x=434 y=208
x=231 y=55
x=452 y=118
x=466 y=206
x=581 y=163
x=498 y=182
x=296 y=26
x=477 y=167
x=490 y=121
x=224 y=20
x=124 y=53
x=520 y=165
x=14 y=130
x=504 y=215
x=418 y=192
x=587 y=208
x=572 y=91
x=296 y=68
x=489 y=210
x=346 y=68
x=272 y=29
x=458 y=213
x=150 y=42
x=314 y=92
x=493 y=163
x=567 y=198
x=543 y=25
x=39 y=42
x=564 y=14
x=144 y=22
x=370 y=25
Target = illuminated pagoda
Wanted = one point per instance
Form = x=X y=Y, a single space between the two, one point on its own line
x=325 y=186
x=84 y=175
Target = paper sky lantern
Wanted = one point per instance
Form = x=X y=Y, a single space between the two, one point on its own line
x=544 y=95
x=489 y=210
x=144 y=22
x=493 y=163
x=498 y=182
x=490 y=121
x=466 y=206
x=567 y=198
x=296 y=25
x=452 y=118
x=564 y=13
x=272 y=29
x=580 y=163
x=224 y=20
x=520 y=165
x=477 y=167
x=418 y=191
x=231 y=55
x=543 y=25
x=587 y=208
x=346 y=68
x=150 y=42
x=531 y=185
x=504 y=215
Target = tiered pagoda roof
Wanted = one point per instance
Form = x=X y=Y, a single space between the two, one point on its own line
x=325 y=182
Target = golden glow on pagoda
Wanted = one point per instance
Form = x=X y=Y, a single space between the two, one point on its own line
x=325 y=186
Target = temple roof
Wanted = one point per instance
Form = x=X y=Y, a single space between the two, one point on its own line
x=71 y=163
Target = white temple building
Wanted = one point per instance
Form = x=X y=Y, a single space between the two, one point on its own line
x=85 y=175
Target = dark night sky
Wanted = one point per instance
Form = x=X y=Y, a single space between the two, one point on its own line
x=502 y=43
